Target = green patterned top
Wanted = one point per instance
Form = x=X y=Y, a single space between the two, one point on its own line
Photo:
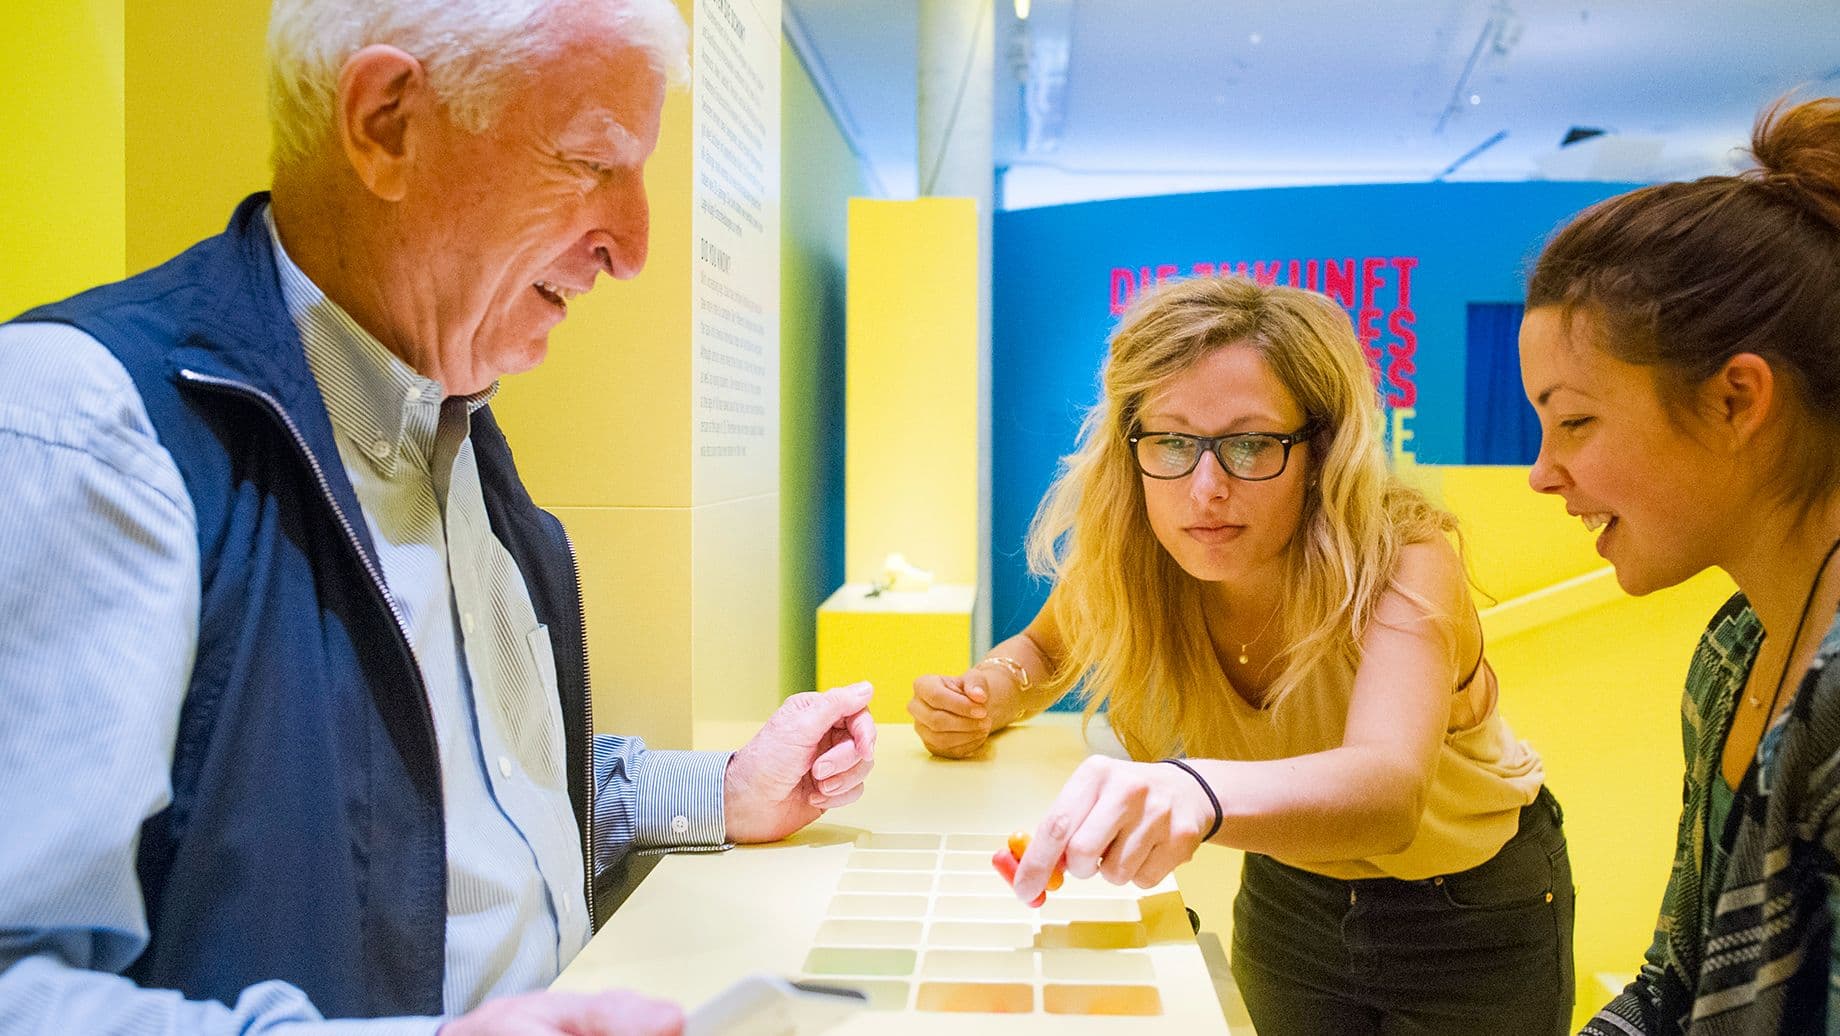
x=1746 y=935
x=1720 y=797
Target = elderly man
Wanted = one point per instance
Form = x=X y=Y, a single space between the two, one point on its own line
x=295 y=722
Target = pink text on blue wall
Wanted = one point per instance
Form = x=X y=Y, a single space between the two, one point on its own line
x=1375 y=290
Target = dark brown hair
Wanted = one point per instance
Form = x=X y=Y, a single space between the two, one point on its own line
x=1684 y=276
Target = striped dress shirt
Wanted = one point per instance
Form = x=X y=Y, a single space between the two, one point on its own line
x=98 y=537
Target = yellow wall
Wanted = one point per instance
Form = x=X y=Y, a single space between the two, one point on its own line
x=196 y=121
x=61 y=185
x=602 y=435
x=130 y=130
x=1517 y=541
x=818 y=176
x=911 y=461
x=681 y=578
x=604 y=422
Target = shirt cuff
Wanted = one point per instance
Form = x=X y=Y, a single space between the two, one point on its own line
x=679 y=801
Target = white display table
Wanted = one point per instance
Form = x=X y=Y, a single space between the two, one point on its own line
x=894 y=894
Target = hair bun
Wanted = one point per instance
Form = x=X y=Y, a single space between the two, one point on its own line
x=1797 y=148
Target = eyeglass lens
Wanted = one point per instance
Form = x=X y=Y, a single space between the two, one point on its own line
x=1249 y=456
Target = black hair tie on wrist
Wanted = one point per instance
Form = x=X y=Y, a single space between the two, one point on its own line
x=1213 y=799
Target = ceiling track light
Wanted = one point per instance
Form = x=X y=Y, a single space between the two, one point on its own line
x=1039 y=53
x=1498 y=36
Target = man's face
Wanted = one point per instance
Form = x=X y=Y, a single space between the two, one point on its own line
x=510 y=224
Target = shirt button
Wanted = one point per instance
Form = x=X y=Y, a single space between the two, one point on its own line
x=466 y=623
x=382 y=449
x=680 y=824
x=504 y=766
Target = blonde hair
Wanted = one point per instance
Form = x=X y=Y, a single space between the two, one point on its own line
x=1129 y=615
x=474 y=51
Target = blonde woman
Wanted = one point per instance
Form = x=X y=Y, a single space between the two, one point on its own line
x=1283 y=638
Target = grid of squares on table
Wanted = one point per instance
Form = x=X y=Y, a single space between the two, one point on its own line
x=923 y=922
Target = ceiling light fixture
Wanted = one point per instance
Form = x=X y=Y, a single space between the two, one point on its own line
x=1499 y=34
x=1022 y=10
x=1039 y=52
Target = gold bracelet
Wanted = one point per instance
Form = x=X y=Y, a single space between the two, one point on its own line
x=1011 y=665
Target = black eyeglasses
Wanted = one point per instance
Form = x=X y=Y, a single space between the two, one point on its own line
x=1247 y=456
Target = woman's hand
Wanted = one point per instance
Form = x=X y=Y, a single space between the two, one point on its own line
x=1127 y=822
x=952 y=713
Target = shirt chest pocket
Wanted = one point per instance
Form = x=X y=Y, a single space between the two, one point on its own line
x=528 y=708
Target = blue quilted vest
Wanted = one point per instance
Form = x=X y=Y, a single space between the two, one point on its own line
x=305 y=840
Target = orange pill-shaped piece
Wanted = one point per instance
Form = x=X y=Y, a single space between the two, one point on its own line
x=1018 y=843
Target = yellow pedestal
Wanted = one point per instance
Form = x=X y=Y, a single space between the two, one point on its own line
x=891 y=638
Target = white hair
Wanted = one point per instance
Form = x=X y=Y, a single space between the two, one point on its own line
x=473 y=51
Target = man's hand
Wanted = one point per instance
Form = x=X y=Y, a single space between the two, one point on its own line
x=613 y=1013
x=813 y=754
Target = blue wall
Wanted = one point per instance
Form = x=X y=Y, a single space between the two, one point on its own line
x=1060 y=272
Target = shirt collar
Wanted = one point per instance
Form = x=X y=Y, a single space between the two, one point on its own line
x=375 y=400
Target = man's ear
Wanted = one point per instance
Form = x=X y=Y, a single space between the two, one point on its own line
x=381 y=89
x=1741 y=397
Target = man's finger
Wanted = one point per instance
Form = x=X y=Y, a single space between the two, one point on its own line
x=838 y=783
x=835 y=760
x=808 y=715
x=823 y=801
x=612 y=1013
x=861 y=726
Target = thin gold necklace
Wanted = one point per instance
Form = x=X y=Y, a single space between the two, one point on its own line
x=1244 y=644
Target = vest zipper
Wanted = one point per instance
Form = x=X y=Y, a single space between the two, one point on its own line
x=587 y=737
x=351 y=534
x=402 y=625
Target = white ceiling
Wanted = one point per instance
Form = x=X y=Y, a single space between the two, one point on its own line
x=1164 y=96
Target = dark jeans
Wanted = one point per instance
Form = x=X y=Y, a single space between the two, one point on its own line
x=1486 y=950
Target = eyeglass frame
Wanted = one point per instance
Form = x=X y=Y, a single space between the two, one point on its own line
x=1212 y=444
